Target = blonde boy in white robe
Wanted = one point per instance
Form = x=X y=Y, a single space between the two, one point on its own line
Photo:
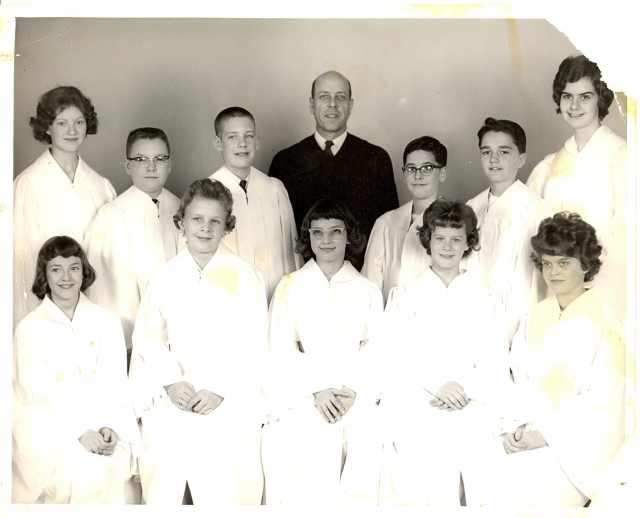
x=394 y=253
x=265 y=233
x=134 y=235
x=508 y=216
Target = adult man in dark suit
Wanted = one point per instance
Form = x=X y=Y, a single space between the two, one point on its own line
x=335 y=164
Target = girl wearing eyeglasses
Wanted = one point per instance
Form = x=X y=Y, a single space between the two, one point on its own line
x=320 y=445
x=508 y=215
x=59 y=194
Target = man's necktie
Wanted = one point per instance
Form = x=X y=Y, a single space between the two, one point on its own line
x=157 y=202
x=243 y=184
x=327 y=147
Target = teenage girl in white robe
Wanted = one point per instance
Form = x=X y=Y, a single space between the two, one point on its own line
x=446 y=351
x=508 y=216
x=74 y=431
x=588 y=175
x=394 y=253
x=199 y=338
x=569 y=366
x=59 y=194
x=321 y=444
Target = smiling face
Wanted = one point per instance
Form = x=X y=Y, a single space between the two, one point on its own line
x=238 y=143
x=564 y=276
x=447 y=246
x=331 y=105
x=327 y=243
x=422 y=186
x=64 y=277
x=149 y=179
x=68 y=131
x=500 y=158
x=203 y=226
x=579 y=105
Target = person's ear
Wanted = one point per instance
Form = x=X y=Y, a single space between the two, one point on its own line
x=127 y=166
x=443 y=175
x=217 y=143
x=257 y=138
x=522 y=159
x=311 y=106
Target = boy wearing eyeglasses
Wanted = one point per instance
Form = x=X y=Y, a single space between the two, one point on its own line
x=265 y=233
x=394 y=255
x=134 y=234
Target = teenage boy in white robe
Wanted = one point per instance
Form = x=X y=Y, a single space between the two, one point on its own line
x=134 y=235
x=508 y=216
x=321 y=443
x=265 y=233
x=394 y=253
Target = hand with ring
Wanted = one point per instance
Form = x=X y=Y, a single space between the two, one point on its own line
x=180 y=393
x=204 y=402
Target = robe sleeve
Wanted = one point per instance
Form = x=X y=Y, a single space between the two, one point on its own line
x=537 y=180
x=27 y=235
x=587 y=430
x=374 y=267
x=365 y=378
x=111 y=396
x=292 y=260
x=110 y=253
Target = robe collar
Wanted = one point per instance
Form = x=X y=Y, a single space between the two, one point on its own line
x=464 y=281
x=221 y=257
x=601 y=133
x=84 y=311
x=345 y=274
x=401 y=217
x=584 y=304
x=50 y=166
x=134 y=200
x=232 y=178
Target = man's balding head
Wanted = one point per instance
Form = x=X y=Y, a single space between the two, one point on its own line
x=313 y=85
x=331 y=104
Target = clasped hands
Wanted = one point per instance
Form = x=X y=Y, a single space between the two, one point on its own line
x=450 y=397
x=184 y=396
x=334 y=403
x=102 y=442
x=521 y=440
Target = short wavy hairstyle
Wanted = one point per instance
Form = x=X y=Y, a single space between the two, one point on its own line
x=146 y=134
x=331 y=209
x=566 y=234
x=574 y=68
x=513 y=129
x=211 y=190
x=63 y=246
x=53 y=102
x=449 y=214
x=429 y=144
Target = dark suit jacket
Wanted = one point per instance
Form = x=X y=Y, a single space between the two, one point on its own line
x=360 y=176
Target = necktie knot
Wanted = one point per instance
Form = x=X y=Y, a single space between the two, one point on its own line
x=327 y=147
x=243 y=184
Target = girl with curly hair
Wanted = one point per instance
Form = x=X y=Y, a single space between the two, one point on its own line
x=59 y=194
x=74 y=430
x=197 y=344
x=446 y=351
x=568 y=362
x=320 y=445
x=588 y=175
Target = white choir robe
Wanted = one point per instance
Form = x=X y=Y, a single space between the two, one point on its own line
x=592 y=183
x=394 y=254
x=128 y=240
x=503 y=264
x=569 y=371
x=70 y=377
x=433 y=334
x=322 y=334
x=207 y=327
x=47 y=204
x=265 y=233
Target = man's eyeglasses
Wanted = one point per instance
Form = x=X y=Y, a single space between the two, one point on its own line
x=425 y=170
x=143 y=161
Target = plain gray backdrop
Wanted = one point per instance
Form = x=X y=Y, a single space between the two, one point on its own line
x=409 y=78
